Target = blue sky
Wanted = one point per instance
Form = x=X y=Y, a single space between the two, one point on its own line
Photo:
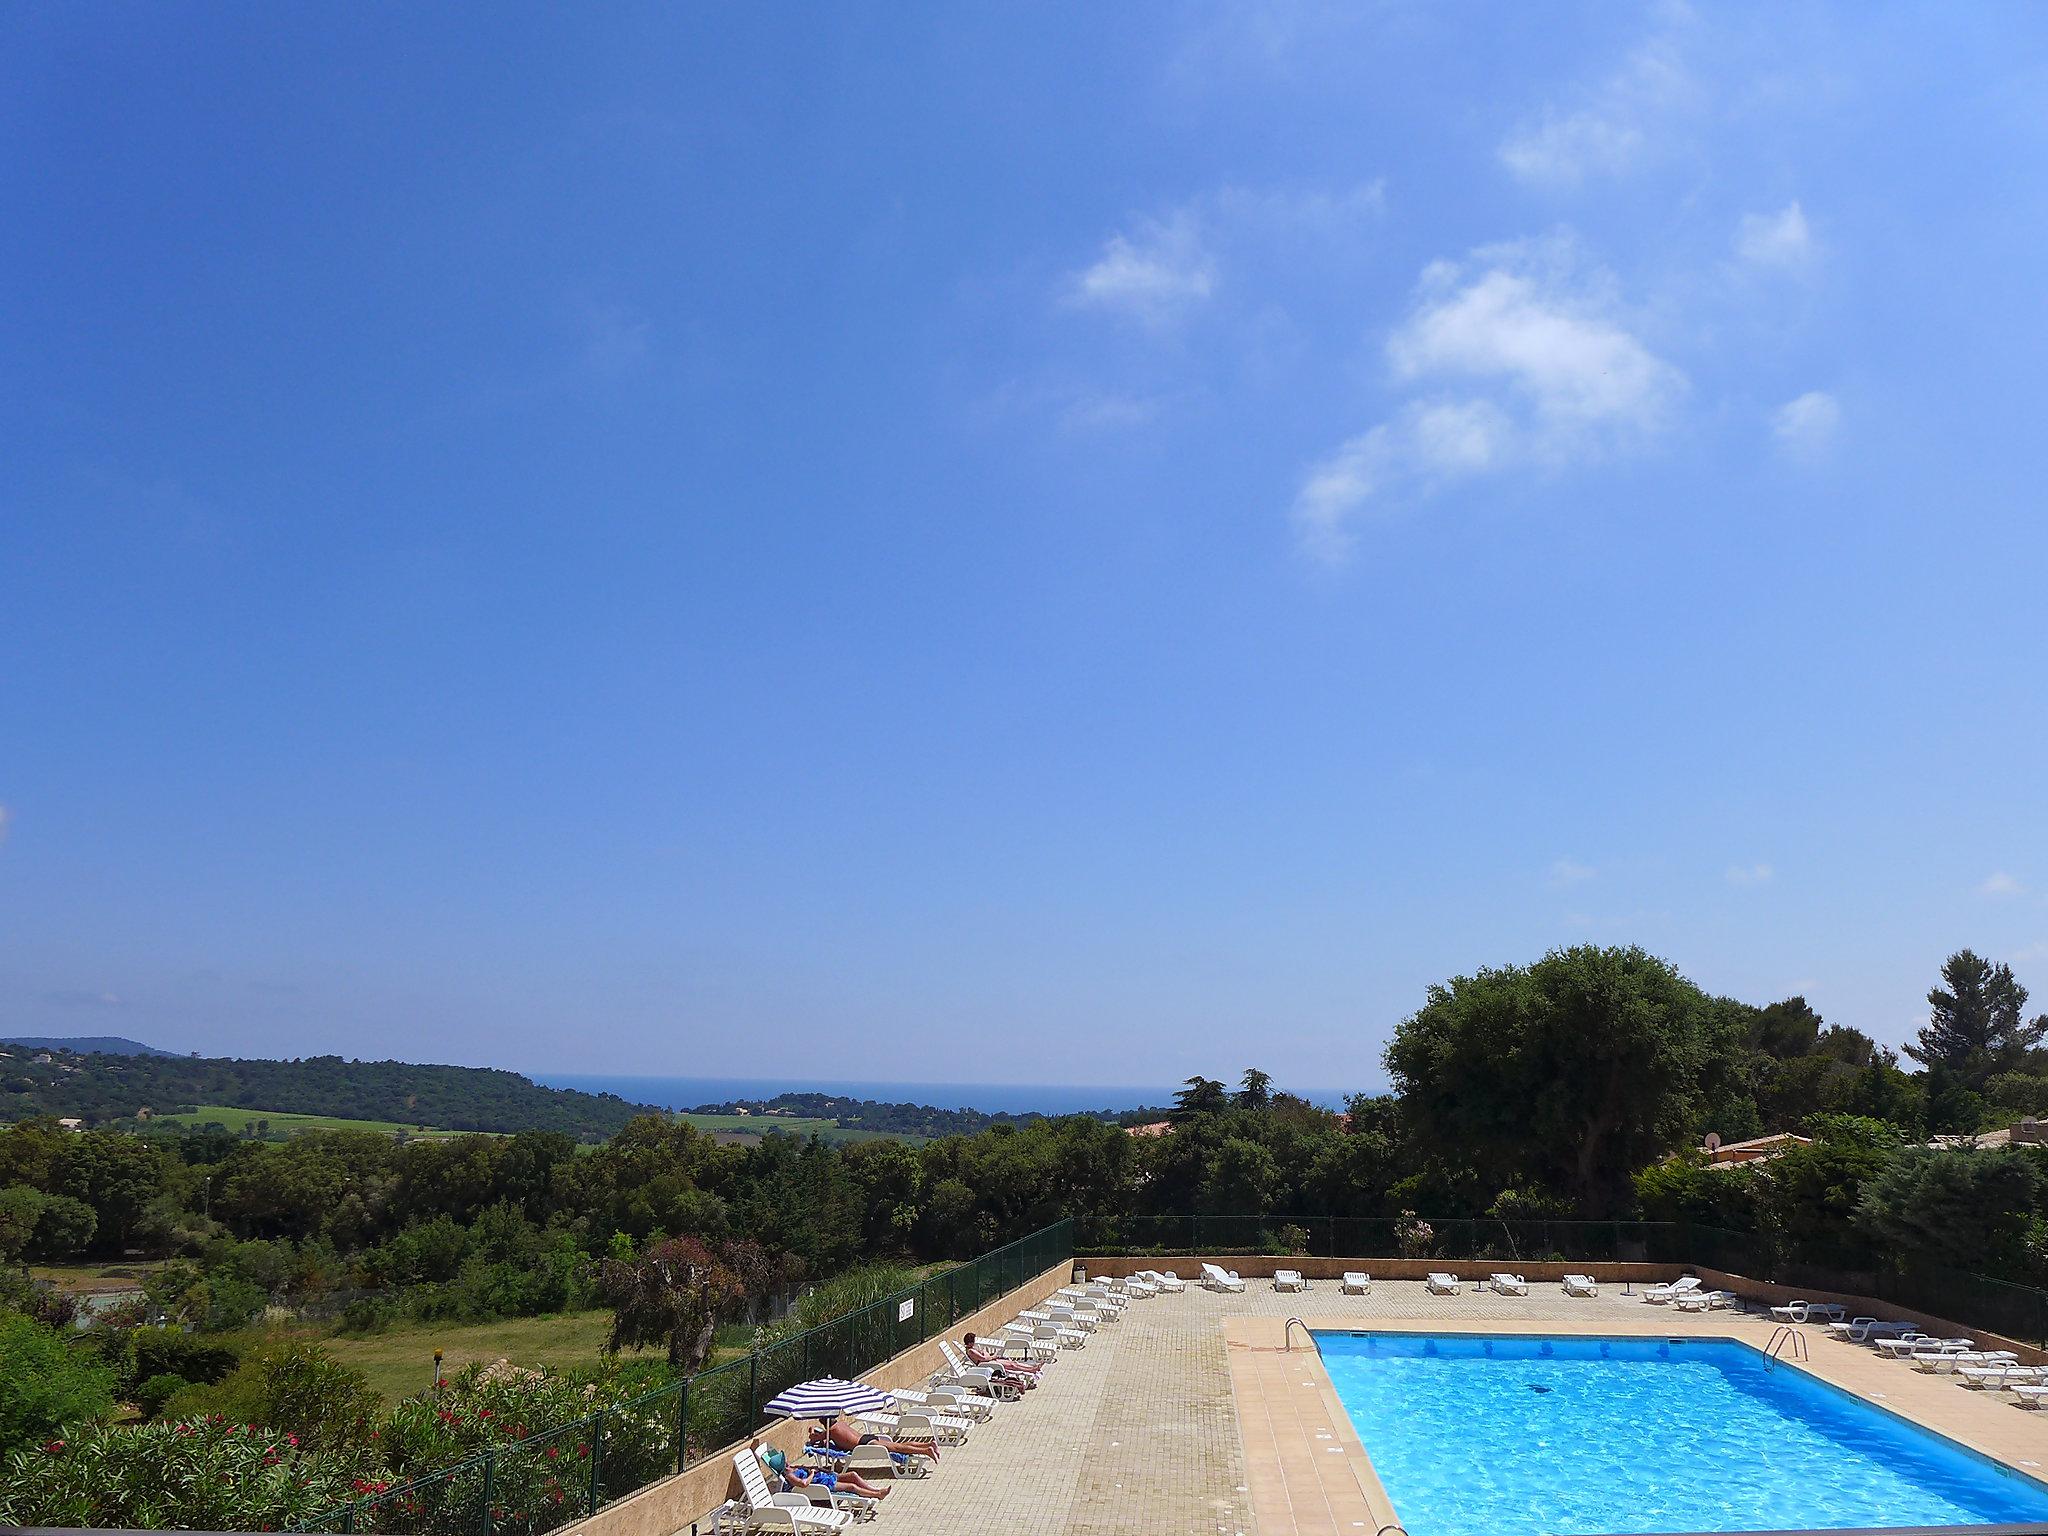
x=949 y=543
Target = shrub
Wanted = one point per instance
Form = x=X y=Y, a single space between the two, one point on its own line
x=45 y=1385
x=295 y=1389
x=156 y=1391
x=849 y=1292
x=367 y=1314
x=173 y=1352
x=213 y=1475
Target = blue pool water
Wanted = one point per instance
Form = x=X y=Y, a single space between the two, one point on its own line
x=1478 y=1436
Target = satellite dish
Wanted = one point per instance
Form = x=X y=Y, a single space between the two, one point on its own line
x=1713 y=1141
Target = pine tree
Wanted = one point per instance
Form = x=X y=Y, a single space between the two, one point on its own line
x=1976 y=1025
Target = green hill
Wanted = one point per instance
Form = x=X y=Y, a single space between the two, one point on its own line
x=101 y=1087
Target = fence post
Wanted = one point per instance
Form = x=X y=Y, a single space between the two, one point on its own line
x=596 y=1460
x=490 y=1465
x=754 y=1389
x=807 y=1375
x=348 y=1519
x=683 y=1427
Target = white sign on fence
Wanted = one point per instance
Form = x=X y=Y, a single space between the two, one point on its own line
x=905 y=1308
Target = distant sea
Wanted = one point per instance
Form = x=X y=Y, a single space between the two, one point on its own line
x=989 y=1098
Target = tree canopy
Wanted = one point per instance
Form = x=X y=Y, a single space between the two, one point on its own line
x=1565 y=1076
x=1976 y=1023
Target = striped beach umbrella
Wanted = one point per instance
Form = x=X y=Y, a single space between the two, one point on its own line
x=826 y=1398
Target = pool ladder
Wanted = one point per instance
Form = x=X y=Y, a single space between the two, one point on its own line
x=1787 y=1341
x=1292 y=1324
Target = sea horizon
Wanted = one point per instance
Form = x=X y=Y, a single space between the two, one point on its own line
x=989 y=1098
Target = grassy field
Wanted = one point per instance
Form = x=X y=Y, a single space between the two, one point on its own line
x=91 y=1279
x=286 y=1123
x=790 y=1125
x=401 y=1361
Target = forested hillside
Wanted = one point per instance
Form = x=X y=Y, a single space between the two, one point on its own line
x=103 y=1088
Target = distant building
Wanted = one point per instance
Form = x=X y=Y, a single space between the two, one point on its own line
x=2028 y=1133
x=71 y=1123
x=1733 y=1154
x=1150 y=1128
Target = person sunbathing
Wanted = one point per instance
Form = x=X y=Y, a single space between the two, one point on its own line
x=844 y=1437
x=803 y=1477
x=1023 y=1372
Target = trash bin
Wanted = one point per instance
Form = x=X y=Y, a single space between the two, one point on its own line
x=1080 y=1274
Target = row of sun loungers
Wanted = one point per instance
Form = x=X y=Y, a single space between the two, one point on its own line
x=1358 y=1283
x=958 y=1398
x=1980 y=1370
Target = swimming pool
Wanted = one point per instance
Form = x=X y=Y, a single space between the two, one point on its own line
x=1521 y=1436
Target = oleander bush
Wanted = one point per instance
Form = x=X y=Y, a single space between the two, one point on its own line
x=214 y=1475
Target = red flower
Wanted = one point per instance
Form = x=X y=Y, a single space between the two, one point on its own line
x=54 y=1447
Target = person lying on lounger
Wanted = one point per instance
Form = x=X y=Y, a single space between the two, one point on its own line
x=1023 y=1372
x=801 y=1477
x=845 y=1437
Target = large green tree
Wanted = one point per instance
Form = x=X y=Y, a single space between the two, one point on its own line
x=1563 y=1076
x=1976 y=1021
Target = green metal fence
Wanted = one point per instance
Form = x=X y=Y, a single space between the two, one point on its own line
x=1655 y=1242
x=555 y=1476
x=1999 y=1306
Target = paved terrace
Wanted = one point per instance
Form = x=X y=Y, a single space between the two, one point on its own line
x=1187 y=1417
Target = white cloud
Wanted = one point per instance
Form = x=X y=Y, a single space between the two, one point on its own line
x=1108 y=411
x=1528 y=358
x=1616 y=124
x=1523 y=318
x=1163 y=266
x=1566 y=150
x=1570 y=872
x=1779 y=239
x=1749 y=874
x=1999 y=883
x=1153 y=275
x=1805 y=428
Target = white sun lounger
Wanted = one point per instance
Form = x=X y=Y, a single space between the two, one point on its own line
x=1957 y=1362
x=1913 y=1349
x=1999 y=1378
x=1704 y=1301
x=1658 y=1295
x=963 y=1372
x=1508 y=1285
x=1581 y=1285
x=1096 y=1290
x=796 y=1511
x=1809 y=1311
x=1868 y=1330
x=858 y=1505
x=1905 y=1345
x=1441 y=1284
x=2031 y=1397
x=1356 y=1283
x=950 y=1400
x=939 y=1428
x=1288 y=1280
x=1217 y=1278
x=1165 y=1279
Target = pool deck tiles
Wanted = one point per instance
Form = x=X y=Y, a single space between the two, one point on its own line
x=1190 y=1417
